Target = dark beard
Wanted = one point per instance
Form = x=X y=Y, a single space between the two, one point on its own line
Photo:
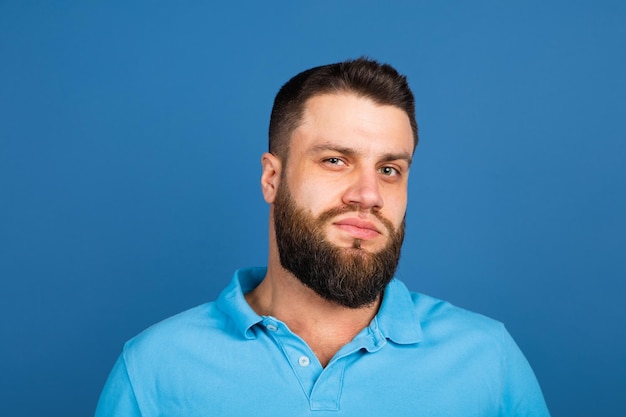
x=350 y=277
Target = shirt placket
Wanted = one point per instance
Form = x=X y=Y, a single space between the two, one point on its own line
x=322 y=386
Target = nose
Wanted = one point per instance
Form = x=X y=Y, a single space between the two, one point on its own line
x=364 y=191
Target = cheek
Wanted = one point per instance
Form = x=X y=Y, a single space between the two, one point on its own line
x=314 y=196
x=395 y=207
x=320 y=199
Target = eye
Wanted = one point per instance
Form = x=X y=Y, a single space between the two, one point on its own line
x=334 y=161
x=389 y=171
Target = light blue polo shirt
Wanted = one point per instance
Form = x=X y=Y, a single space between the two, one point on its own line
x=418 y=357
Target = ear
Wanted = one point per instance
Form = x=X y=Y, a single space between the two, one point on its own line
x=270 y=176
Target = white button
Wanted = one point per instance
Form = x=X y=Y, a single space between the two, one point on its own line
x=271 y=327
x=304 y=361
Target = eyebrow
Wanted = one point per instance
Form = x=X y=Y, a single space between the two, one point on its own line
x=387 y=157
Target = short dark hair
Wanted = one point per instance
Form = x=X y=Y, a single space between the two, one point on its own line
x=363 y=76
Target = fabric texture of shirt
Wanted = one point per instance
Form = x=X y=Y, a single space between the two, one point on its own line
x=418 y=357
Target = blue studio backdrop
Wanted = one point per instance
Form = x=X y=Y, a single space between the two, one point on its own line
x=130 y=143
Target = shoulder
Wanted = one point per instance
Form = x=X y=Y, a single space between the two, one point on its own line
x=433 y=311
x=411 y=317
x=432 y=314
x=467 y=346
x=444 y=323
x=181 y=331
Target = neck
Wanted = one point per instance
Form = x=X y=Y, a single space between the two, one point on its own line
x=324 y=325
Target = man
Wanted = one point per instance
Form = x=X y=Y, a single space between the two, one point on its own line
x=325 y=330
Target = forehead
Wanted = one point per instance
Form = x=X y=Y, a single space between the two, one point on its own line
x=354 y=121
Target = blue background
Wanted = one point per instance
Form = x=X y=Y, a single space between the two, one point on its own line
x=130 y=143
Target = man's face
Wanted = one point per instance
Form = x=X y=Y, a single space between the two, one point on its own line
x=339 y=209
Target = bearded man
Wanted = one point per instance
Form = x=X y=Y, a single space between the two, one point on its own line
x=326 y=329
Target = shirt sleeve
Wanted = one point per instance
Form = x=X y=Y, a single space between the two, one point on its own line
x=522 y=396
x=117 y=397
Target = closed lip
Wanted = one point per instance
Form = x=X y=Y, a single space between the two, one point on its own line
x=366 y=225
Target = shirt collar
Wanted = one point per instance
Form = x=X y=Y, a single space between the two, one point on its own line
x=397 y=317
x=232 y=301
x=396 y=320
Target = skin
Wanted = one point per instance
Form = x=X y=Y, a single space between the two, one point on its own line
x=348 y=150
